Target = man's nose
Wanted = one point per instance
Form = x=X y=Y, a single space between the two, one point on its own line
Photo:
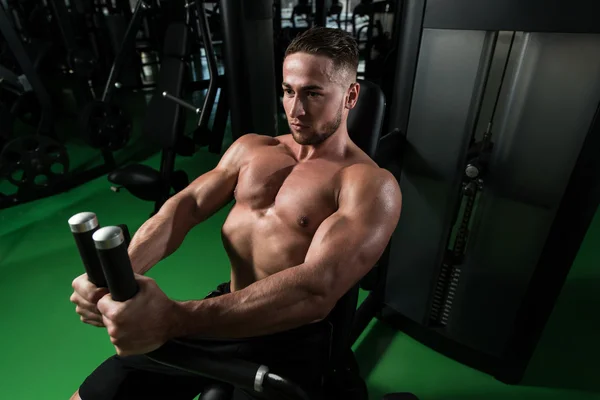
x=297 y=109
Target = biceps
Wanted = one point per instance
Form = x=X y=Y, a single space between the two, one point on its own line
x=347 y=241
x=211 y=192
x=343 y=251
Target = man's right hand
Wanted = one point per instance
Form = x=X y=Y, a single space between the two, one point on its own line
x=85 y=297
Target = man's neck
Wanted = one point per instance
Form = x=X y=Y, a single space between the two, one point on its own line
x=334 y=146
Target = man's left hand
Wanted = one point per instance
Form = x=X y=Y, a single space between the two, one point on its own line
x=141 y=324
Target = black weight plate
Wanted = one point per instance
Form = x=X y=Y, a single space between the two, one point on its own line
x=34 y=161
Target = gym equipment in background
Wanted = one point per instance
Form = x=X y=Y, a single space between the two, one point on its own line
x=499 y=173
x=28 y=86
x=165 y=121
x=375 y=38
x=103 y=124
x=80 y=60
x=34 y=162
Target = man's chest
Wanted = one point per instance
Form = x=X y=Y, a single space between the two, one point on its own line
x=302 y=192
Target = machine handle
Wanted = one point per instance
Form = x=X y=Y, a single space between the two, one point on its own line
x=111 y=247
x=83 y=226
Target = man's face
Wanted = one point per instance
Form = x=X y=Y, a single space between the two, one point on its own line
x=314 y=97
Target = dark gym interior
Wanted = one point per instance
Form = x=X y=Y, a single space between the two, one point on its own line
x=486 y=112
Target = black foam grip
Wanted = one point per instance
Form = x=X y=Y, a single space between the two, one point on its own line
x=118 y=272
x=89 y=257
x=126 y=234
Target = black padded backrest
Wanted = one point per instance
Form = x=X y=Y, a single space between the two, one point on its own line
x=364 y=127
x=366 y=118
x=176 y=42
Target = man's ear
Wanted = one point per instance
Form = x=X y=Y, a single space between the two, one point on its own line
x=353 y=94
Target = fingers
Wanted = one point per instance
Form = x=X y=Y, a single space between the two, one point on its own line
x=88 y=312
x=85 y=297
x=83 y=304
x=92 y=319
x=87 y=289
x=110 y=309
x=98 y=294
x=116 y=335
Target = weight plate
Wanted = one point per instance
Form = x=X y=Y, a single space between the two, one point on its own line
x=34 y=161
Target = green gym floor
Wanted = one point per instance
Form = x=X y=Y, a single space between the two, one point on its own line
x=46 y=351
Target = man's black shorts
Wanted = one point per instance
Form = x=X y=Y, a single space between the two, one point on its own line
x=300 y=355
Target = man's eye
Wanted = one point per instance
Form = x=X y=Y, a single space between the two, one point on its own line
x=313 y=94
x=288 y=91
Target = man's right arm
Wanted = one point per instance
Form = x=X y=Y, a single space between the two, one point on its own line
x=162 y=234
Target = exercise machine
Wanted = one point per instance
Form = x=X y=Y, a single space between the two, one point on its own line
x=103 y=123
x=499 y=173
x=34 y=165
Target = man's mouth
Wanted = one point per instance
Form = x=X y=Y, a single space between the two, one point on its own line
x=298 y=126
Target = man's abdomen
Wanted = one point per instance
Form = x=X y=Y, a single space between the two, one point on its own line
x=259 y=244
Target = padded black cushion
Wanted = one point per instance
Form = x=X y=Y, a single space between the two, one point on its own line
x=366 y=118
x=142 y=181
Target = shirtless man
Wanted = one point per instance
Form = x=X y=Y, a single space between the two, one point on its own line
x=313 y=213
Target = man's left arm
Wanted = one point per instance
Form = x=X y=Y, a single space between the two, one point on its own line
x=344 y=248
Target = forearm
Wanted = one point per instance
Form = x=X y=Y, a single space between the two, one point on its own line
x=283 y=301
x=160 y=236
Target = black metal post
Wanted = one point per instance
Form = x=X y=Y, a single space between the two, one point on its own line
x=213 y=71
x=250 y=66
x=220 y=123
x=321 y=13
x=125 y=51
x=413 y=12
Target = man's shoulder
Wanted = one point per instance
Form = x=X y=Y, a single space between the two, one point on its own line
x=253 y=140
x=368 y=179
x=245 y=147
x=365 y=171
